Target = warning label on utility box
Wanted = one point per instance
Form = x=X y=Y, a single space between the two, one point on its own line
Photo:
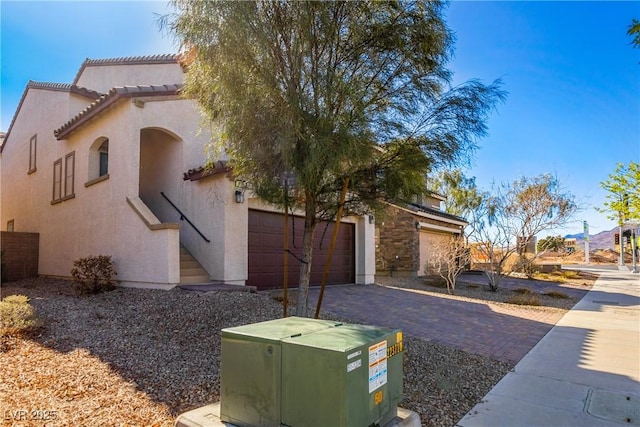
x=377 y=366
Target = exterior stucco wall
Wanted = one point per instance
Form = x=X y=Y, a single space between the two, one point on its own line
x=77 y=103
x=365 y=250
x=164 y=134
x=98 y=219
x=101 y=78
x=26 y=197
x=210 y=205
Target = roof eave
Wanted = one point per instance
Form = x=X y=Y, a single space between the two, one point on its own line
x=115 y=95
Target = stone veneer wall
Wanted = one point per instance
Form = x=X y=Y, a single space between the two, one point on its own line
x=19 y=255
x=397 y=237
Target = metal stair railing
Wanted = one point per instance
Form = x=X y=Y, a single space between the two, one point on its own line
x=184 y=217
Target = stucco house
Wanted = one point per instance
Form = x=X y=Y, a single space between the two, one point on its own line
x=112 y=164
x=407 y=234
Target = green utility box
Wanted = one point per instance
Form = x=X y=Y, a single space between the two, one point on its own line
x=250 y=369
x=345 y=376
x=299 y=372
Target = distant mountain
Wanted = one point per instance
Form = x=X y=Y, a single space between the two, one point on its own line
x=602 y=240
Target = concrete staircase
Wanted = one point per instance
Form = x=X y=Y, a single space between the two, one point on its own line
x=190 y=270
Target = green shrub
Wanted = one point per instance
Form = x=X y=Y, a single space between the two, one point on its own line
x=94 y=274
x=567 y=274
x=17 y=316
x=542 y=276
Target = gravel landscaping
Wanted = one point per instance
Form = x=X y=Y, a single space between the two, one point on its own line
x=142 y=357
x=560 y=291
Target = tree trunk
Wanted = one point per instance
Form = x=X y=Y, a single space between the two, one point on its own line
x=325 y=275
x=302 y=305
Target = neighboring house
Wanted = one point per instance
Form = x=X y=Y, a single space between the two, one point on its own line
x=101 y=165
x=407 y=235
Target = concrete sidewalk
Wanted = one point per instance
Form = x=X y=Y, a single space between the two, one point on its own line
x=584 y=372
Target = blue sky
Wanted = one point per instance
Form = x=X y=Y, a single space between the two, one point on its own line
x=573 y=78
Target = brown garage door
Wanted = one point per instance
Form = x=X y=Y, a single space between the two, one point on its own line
x=266 y=235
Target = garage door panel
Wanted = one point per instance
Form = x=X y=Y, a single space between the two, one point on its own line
x=266 y=236
x=429 y=241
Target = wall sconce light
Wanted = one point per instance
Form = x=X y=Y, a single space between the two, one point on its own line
x=371 y=219
x=417 y=225
x=241 y=186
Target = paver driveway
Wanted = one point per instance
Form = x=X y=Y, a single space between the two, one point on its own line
x=499 y=331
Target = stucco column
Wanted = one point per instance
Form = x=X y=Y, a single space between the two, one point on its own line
x=365 y=250
x=236 y=236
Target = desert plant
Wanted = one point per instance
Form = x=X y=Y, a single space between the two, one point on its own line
x=551 y=243
x=526 y=265
x=527 y=298
x=556 y=294
x=511 y=214
x=94 y=274
x=17 y=316
x=448 y=259
x=523 y=291
x=568 y=274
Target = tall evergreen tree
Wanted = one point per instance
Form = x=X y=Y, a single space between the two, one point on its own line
x=329 y=92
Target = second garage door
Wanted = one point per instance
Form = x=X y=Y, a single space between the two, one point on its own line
x=266 y=266
x=430 y=241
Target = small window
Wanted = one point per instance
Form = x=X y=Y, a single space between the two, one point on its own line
x=10 y=225
x=33 y=148
x=98 y=161
x=104 y=158
x=69 y=173
x=57 y=181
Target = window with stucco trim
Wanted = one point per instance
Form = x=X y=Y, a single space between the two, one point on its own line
x=10 y=225
x=33 y=149
x=98 y=161
x=69 y=174
x=57 y=181
x=103 y=158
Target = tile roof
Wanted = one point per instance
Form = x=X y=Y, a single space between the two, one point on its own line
x=201 y=172
x=127 y=60
x=56 y=87
x=106 y=100
x=436 y=212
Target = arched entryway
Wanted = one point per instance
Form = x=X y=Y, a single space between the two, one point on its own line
x=160 y=171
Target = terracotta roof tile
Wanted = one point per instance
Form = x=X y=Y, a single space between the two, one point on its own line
x=115 y=94
x=201 y=172
x=127 y=60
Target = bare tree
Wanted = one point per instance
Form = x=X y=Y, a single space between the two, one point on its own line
x=511 y=215
x=448 y=259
